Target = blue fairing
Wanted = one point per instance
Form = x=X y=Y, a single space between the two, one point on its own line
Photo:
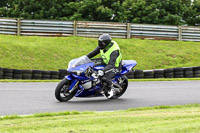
x=69 y=77
x=127 y=65
x=100 y=67
x=88 y=92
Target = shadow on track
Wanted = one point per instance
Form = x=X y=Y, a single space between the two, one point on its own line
x=96 y=101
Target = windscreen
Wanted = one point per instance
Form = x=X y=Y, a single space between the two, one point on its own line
x=78 y=61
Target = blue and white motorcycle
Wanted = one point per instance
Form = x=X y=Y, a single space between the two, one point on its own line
x=84 y=79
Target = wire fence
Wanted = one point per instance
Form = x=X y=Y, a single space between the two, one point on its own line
x=94 y=29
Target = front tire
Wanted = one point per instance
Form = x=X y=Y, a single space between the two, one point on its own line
x=62 y=91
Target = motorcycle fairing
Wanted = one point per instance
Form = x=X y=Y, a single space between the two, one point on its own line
x=92 y=92
x=127 y=65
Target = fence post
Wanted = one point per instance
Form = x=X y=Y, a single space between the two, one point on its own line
x=18 y=27
x=75 y=28
x=128 y=30
x=179 y=33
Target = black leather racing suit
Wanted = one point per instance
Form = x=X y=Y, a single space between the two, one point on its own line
x=110 y=70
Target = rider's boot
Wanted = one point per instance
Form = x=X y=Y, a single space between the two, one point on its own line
x=111 y=91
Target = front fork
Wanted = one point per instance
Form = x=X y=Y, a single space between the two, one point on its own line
x=73 y=86
x=74 y=83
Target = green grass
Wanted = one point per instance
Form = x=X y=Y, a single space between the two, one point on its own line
x=53 y=53
x=168 y=119
x=130 y=80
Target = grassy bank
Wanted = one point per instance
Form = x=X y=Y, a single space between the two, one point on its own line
x=53 y=53
x=168 y=119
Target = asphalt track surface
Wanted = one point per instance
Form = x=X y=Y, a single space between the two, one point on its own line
x=30 y=98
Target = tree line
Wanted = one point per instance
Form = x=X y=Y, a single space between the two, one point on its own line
x=168 y=12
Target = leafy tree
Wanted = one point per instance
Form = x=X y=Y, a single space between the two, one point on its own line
x=173 y=12
x=192 y=16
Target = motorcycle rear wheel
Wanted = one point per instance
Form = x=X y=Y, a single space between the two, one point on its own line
x=62 y=93
x=124 y=86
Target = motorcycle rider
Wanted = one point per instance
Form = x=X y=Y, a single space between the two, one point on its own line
x=112 y=57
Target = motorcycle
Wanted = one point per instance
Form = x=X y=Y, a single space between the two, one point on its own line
x=84 y=80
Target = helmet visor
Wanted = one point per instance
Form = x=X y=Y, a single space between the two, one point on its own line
x=101 y=44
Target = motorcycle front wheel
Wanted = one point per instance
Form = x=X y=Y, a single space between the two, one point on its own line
x=62 y=93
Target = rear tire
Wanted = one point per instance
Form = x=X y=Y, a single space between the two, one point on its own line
x=124 y=86
x=62 y=91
